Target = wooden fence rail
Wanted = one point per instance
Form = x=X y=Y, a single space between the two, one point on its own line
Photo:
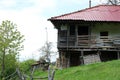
x=22 y=76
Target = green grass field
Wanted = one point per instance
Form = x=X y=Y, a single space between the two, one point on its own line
x=98 y=71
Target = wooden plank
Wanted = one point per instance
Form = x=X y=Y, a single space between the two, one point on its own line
x=88 y=41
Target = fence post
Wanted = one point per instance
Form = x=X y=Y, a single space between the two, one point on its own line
x=19 y=74
x=51 y=75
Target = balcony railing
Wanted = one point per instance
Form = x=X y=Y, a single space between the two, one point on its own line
x=88 y=41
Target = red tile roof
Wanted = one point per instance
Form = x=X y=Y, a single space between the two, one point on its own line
x=97 y=13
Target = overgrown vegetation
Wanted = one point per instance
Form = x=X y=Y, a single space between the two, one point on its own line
x=98 y=71
x=25 y=66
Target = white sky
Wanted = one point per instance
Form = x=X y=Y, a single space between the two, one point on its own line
x=31 y=17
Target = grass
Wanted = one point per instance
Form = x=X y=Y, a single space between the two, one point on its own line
x=98 y=71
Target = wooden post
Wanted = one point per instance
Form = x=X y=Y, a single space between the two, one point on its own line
x=51 y=74
x=76 y=33
x=99 y=53
x=118 y=54
x=68 y=37
x=68 y=60
x=19 y=74
x=63 y=60
x=60 y=57
x=82 y=60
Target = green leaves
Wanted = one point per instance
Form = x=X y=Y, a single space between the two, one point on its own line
x=10 y=45
x=10 y=37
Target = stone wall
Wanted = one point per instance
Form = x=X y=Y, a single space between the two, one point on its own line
x=93 y=58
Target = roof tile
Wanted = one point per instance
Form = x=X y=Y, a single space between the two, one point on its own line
x=97 y=13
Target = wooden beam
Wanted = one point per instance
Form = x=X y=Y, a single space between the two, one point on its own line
x=76 y=34
x=82 y=60
x=60 y=57
x=68 y=63
x=118 y=54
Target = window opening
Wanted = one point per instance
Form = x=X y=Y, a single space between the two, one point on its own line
x=72 y=30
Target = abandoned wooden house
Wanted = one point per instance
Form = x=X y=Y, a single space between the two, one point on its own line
x=89 y=35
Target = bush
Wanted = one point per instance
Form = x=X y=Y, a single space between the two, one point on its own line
x=25 y=66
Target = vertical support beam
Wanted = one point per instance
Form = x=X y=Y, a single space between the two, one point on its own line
x=60 y=57
x=76 y=33
x=118 y=54
x=63 y=60
x=68 y=60
x=58 y=39
x=68 y=32
x=82 y=60
x=90 y=38
x=99 y=53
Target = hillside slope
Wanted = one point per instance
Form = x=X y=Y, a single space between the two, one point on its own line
x=99 y=71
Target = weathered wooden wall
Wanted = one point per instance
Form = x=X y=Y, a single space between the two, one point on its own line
x=69 y=44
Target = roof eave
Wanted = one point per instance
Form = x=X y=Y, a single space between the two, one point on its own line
x=80 y=20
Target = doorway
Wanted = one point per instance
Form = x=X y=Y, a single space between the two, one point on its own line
x=75 y=59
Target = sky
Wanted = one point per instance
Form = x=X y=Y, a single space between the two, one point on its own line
x=31 y=19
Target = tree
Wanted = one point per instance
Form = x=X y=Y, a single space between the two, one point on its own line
x=113 y=2
x=10 y=43
x=46 y=51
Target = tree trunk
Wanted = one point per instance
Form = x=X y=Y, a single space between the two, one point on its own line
x=3 y=65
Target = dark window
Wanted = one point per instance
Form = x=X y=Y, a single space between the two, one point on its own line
x=72 y=29
x=63 y=33
x=105 y=33
x=82 y=30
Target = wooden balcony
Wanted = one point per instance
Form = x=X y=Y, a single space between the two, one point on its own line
x=88 y=41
